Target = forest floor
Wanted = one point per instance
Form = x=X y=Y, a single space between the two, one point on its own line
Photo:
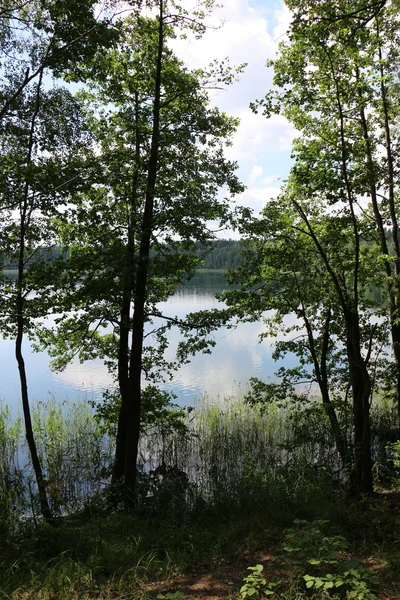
x=116 y=557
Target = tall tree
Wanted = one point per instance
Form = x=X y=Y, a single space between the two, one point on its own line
x=36 y=36
x=356 y=51
x=160 y=165
x=335 y=86
x=35 y=177
x=283 y=276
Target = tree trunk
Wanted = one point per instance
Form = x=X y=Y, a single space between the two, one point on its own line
x=361 y=480
x=125 y=315
x=25 y=217
x=134 y=400
x=44 y=505
x=123 y=377
x=392 y=284
x=320 y=368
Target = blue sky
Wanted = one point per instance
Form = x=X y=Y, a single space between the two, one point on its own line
x=250 y=34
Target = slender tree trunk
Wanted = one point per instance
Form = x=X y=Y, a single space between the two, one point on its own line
x=135 y=363
x=44 y=505
x=393 y=284
x=340 y=439
x=359 y=376
x=125 y=315
x=320 y=368
x=361 y=480
x=123 y=377
x=25 y=216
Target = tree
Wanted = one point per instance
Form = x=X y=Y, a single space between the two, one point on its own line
x=36 y=173
x=36 y=36
x=366 y=82
x=333 y=84
x=282 y=273
x=158 y=166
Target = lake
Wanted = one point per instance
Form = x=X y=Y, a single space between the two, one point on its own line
x=236 y=357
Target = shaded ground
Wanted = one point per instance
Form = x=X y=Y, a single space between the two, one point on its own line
x=223 y=581
x=115 y=557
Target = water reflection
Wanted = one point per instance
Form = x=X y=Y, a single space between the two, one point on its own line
x=236 y=357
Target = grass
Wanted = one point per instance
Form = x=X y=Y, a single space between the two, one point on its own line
x=111 y=555
x=217 y=497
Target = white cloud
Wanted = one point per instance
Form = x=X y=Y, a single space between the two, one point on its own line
x=257 y=197
x=282 y=17
x=255 y=174
x=251 y=34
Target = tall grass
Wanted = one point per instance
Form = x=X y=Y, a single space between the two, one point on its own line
x=75 y=455
x=12 y=484
x=224 y=484
x=228 y=457
x=237 y=457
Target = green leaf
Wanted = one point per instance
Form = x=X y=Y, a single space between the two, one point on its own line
x=300 y=522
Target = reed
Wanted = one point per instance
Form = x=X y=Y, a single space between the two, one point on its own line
x=229 y=456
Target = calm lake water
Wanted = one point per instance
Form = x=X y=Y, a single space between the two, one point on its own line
x=236 y=357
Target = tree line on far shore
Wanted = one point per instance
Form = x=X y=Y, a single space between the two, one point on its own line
x=218 y=254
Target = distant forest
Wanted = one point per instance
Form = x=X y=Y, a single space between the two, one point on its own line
x=222 y=254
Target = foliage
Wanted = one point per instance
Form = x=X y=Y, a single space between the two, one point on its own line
x=40 y=36
x=94 y=228
x=256 y=585
x=159 y=412
x=308 y=541
x=355 y=581
x=312 y=254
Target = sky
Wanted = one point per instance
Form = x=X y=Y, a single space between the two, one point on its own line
x=250 y=34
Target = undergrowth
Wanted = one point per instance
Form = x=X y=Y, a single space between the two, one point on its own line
x=216 y=495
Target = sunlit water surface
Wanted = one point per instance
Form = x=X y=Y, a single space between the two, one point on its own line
x=236 y=357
